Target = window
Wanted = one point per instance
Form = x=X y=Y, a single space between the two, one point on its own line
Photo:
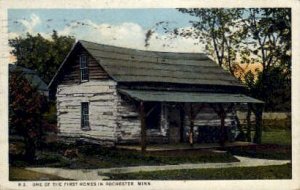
x=84 y=72
x=85 y=125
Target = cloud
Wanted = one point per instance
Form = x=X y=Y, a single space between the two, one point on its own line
x=12 y=35
x=130 y=35
x=31 y=23
x=169 y=42
x=29 y=26
x=127 y=34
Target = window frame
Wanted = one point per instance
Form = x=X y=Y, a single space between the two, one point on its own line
x=84 y=71
x=85 y=120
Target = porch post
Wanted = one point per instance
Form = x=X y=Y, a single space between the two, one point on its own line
x=143 y=127
x=249 y=123
x=181 y=124
x=222 y=116
x=258 y=123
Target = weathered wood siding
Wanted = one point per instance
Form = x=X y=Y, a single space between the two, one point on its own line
x=71 y=70
x=129 y=124
x=102 y=96
x=206 y=118
x=113 y=118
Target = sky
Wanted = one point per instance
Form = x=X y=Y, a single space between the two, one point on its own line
x=119 y=27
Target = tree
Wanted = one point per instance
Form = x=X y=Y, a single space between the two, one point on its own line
x=41 y=54
x=26 y=106
x=220 y=31
x=269 y=43
x=248 y=36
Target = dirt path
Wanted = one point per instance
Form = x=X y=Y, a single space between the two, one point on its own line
x=99 y=174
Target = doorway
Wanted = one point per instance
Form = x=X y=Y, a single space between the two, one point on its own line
x=175 y=118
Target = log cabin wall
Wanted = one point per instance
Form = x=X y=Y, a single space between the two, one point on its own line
x=128 y=121
x=129 y=124
x=101 y=94
x=112 y=118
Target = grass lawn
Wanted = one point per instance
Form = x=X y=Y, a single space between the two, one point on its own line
x=91 y=157
x=279 y=137
x=20 y=174
x=276 y=144
x=261 y=172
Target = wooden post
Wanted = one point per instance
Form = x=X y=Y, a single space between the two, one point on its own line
x=181 y=124
x=222 y=116
x=258 y=123
x=242 y=135
x=143 y=127
x=249 y=123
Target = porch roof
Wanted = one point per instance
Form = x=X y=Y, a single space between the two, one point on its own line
x=188 y=97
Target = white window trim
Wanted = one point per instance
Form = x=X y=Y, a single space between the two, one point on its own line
x=83 y=68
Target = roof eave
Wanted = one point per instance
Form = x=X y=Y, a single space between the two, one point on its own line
x=63 y=63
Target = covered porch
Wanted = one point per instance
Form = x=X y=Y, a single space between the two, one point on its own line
x=186 y=106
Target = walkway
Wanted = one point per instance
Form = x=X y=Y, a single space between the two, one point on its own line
x=99 y=174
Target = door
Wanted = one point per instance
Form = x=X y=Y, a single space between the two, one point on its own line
x=174 y=121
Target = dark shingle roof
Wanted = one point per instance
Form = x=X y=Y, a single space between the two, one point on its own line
x=192 y=97
x=32 y=77
x=131 y=65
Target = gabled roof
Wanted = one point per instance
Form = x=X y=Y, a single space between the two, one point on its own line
x=131 y=65
x=34 y=80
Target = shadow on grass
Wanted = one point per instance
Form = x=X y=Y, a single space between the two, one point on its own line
x=260 y=172
x=265 y=151
x=93 y=156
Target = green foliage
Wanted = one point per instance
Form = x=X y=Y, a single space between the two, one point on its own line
x=260 y=172
x=247 y=36
x=270 y=32
x=273 y=87
x=94 y=156
x=160 y=157
x=27 y=118
x=270 y=125
x=41 y=54
x=218 y=29
x=26 y=106
x=267 y=151
x=276 y=144
x=278 y=137
x=50 y=115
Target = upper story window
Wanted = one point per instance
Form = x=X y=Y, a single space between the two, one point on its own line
x=84 y=71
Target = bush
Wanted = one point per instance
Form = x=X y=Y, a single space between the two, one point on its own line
x=278 y=124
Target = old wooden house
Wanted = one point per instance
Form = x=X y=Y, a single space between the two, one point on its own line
x=112 y=95
x=32 y=77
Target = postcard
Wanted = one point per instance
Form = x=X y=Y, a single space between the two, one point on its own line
x=147 y=94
